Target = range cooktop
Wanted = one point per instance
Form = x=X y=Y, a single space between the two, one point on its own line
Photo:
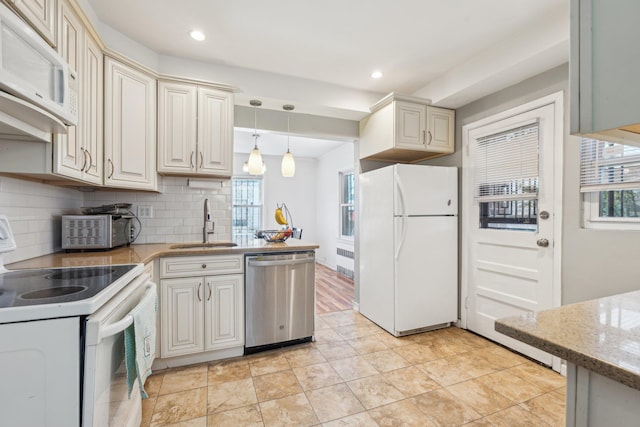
x=57 y=285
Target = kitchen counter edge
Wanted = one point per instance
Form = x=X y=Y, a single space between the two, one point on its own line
x=578 y=334
x=144 y=253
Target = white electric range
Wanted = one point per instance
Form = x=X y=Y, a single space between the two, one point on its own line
x=62 y=343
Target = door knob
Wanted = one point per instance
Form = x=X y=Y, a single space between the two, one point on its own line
x=543 y=243
x=544 y=215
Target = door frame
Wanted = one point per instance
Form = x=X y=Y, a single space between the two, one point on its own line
x=557 y=101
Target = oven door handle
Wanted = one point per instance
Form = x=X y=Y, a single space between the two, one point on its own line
x=125 y=322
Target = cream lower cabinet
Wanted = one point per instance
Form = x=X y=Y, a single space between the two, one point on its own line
x=201 y=313
x=129 y=127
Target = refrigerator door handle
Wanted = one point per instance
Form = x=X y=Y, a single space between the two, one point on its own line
x=400 y=193
x=403 y=236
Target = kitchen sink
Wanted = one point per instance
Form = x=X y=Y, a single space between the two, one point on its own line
x=204 y=245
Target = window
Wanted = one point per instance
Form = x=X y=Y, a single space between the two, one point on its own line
x=347 y=210
x=506 y=178
x=610 y=182
x=247 y=207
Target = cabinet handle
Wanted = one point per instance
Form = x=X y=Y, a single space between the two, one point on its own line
x=204 y=265
x=191 y=160
x=201 y=159
x=199 y=286
x=209 y=285
x=84 y=155
x=430 y=138
x=90 y=160
x=112 y=169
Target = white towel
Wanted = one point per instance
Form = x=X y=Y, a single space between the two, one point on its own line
x=140 y=340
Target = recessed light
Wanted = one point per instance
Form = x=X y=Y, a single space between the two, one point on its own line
x=197 y=35
x=376 y=74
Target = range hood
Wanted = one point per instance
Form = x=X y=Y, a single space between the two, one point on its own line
x=20 y=120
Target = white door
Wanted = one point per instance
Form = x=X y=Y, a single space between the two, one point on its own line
x=509 y=227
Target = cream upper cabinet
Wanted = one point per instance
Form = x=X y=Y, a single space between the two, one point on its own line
x=195 y=133
x=604 y=77
x=78 y=154
x=406 y=129
x=41 y=14
x=129 y=127
x=177 y=127
x=69 y=157
x=92 y=80
x=440 y=130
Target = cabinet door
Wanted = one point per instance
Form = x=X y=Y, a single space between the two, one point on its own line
x=41 y=14
x=177 y=109
x=92 y=83
x=69 y=157
x=129 y=127
x=181 y=313
x=410 y=125
x=224 y=312
x=215 y=132
x=440 y=130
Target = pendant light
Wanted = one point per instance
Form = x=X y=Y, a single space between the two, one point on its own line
x=255 y=158
x=288 y=167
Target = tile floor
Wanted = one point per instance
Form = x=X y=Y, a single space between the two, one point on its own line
x=355 y=374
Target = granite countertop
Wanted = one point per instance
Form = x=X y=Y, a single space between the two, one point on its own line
x=144 y=253
x=601 y=335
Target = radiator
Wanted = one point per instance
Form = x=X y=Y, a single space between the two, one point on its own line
x=344 y=259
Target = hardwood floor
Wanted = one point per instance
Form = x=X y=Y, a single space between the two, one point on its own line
x=334 y=292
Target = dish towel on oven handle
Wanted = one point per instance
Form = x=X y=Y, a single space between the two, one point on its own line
x=140 y=341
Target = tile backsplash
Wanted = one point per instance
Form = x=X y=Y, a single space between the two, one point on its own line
x=177 y=210
x=34 y=211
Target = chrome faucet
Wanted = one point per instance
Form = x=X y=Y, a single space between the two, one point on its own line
x=209 y=225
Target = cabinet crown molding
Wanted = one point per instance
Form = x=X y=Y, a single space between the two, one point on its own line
x=393 y=96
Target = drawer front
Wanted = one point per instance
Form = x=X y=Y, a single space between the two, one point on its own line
x=201 y=265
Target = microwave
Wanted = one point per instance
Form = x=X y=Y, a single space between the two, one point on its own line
x=82 y=232
x=32 y=71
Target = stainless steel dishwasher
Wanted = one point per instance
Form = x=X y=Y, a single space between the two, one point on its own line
x=280 y=299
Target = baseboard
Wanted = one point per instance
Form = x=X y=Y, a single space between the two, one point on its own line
x=356 y=306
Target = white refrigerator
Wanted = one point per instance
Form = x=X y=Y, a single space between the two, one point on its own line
x=408 y=250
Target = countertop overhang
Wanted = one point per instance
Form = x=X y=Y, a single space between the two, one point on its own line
x=601 y=335
x=143 y=253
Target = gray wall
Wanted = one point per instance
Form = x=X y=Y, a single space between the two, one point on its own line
x=595 y=263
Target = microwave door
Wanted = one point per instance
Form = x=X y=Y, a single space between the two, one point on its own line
x=31 y=70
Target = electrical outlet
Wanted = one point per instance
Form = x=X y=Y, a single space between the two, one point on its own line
x=145 y=211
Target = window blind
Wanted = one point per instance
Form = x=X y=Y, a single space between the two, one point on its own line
x=606 y=166
x=507 y=164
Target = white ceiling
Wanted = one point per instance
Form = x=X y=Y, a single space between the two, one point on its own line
x=319 y=55
x=413 y=42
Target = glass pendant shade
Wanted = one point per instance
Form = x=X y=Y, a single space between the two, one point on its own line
x=255 y=162
x=288 y=167
x=245 y=167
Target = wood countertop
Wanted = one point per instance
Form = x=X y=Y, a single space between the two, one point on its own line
x=144 y=253
x=601 y=335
